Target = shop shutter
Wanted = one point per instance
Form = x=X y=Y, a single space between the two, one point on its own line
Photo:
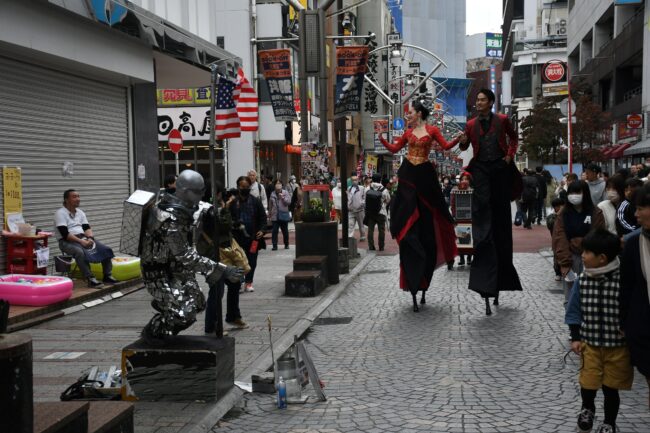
x=49 y=117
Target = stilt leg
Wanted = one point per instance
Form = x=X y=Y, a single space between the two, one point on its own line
x=488 y=310
x=423 y=299
x=496 y=300
x=415 y=301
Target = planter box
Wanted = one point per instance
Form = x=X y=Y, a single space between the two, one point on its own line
x=320 y=239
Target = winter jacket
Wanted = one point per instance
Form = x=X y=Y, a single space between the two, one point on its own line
x=597 y=190
x=356 y=198
x=542 y=187
x=609 y=213
x=258 y=191
x=278 y=203
x=567 y=240
x=531 y=188
x=635 y=305
x=385 y=197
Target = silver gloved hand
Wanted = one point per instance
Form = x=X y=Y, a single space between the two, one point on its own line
x=233 y=274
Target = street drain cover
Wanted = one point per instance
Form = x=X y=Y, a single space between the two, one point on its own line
x=377 y=271
x=333 y=321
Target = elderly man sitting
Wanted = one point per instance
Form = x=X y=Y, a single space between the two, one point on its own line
x=76 y=239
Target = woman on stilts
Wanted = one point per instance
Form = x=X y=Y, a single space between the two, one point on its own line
x=419 y=217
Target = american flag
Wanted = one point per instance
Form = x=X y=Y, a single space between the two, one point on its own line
x=246 y=102
x=227 y=124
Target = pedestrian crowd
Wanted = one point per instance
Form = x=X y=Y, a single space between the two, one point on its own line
x=600 y=228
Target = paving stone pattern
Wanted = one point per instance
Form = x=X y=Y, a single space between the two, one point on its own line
x=101 y=332
x=448 y=368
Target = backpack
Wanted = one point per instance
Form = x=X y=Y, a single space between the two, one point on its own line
x=373 y=201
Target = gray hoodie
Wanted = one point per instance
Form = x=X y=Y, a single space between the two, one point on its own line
x=597 y=190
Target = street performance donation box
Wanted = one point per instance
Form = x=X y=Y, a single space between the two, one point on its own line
x=461 y=210
x=184 y=368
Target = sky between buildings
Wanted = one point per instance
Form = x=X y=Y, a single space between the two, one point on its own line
x=483 y=16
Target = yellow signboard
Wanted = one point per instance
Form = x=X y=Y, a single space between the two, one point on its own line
x=12 y=191
x=292 y=12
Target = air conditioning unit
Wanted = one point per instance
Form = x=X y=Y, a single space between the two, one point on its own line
x=560 y=27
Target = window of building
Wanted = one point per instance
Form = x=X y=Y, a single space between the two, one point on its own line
x=518 y=10
x=522 y=82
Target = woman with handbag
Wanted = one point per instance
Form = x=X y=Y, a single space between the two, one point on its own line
x=279 y=203
x=249 y=220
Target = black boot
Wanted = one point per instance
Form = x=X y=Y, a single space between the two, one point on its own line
x=450 y=265
x=488 y=310
x=415 y=302
x=461 y=262
x=422 y=299
x=496 y=300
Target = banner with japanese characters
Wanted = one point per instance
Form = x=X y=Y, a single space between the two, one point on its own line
x=192 y=122
x=351 y=66
x=276 y=68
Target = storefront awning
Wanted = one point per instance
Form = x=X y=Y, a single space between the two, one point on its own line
x=608 y=150
x=618 y=151
x=126 y=17
x=642 y=147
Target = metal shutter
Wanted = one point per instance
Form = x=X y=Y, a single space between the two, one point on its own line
x=49 y=117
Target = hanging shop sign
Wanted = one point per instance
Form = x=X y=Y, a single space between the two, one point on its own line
x=276 y=68
x=192 y=96
x=554 y=77
x=192 y=122
x=351 y=66
x=634 y=121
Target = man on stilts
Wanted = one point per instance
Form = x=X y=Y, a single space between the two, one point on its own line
x=496 y=182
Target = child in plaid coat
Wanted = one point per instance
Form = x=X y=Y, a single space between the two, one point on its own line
x=593 y=315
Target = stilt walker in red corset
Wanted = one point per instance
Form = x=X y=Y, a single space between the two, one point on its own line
x=496 y=182
x=419 y=217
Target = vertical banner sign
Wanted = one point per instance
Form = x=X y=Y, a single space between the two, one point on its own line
x=12 y=191
x=493 y=85
x=276 y=68
x=351 y=66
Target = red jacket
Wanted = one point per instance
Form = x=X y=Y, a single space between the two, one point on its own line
x=500 y=122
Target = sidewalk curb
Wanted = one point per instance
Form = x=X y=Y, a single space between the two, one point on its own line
x=264 y=361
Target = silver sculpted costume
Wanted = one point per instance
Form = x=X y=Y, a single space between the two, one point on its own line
x=170 y=262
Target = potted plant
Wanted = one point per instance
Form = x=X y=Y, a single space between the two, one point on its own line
x=314 y=212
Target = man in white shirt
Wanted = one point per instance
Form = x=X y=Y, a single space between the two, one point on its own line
x=258 y=190
x=76 y=239
x=356 y=206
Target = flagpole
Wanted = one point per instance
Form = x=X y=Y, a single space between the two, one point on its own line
x=214 y=78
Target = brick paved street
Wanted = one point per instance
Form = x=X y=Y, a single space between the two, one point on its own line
x=448 y=368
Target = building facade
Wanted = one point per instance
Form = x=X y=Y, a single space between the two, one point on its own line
x=78 y=111
x=534 y=33
x=607 y=45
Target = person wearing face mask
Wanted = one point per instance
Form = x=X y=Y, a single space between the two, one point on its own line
x=356 y=204
x=615 y=192
x=249 y=219
x=575 y=220
x=635 y=288
x=336 y=199
x=279 y=215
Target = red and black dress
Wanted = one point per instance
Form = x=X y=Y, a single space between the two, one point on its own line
x=419 y=216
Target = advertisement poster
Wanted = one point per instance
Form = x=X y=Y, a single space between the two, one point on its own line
x=351 y=66
x=371 y=164
x=12 y=191
x=381 y=128
x=276 y=68
x=315 y=163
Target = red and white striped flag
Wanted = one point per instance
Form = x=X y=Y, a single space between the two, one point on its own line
x=227 y=122
x=246 y=102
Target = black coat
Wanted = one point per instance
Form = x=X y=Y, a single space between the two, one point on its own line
x=531 y=188
x=635 y=306
x=542 y=186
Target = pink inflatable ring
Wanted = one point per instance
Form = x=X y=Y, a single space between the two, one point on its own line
x=34 y=290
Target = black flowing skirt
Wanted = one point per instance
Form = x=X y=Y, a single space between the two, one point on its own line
x=422 y=225
x=492 y=269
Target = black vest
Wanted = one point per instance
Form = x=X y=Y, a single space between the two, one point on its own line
x=489 y=149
